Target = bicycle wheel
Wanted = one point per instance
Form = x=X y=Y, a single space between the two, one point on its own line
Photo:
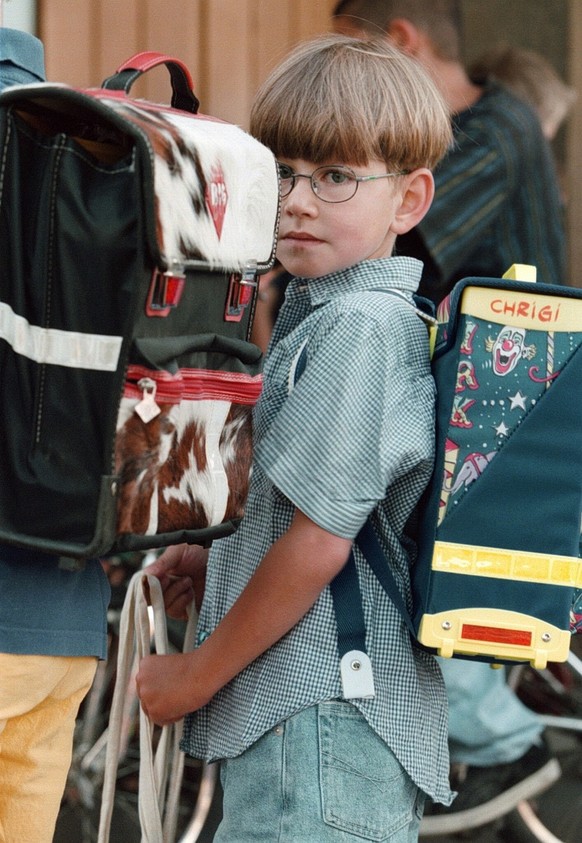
x=554 y=816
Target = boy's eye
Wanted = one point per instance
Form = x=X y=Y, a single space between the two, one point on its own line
x=285 y=171
x=332 y=176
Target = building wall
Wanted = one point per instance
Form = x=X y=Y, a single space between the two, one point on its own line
x=230 y=45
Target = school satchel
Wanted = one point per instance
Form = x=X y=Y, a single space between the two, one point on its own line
x=498 y=571
x=497 y=576
x=132 y=235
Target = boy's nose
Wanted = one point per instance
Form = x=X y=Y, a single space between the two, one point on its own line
x=301 y=199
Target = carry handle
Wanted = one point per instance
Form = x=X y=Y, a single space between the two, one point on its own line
x=183 y=97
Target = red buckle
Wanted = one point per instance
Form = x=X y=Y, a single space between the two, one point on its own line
x=241 y=290
x=165 y=292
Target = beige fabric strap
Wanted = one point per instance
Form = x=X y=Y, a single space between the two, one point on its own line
x=159 y=792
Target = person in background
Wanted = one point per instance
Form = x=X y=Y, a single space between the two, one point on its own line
x=497 y=199
x=497 y=202
x=531 y=77
x=356 y=129
x=271 y=296
x=53 y=627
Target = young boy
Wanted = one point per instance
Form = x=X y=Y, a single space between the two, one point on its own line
x=356 y=128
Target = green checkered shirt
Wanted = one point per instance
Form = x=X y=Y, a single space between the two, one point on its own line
x=354 y=435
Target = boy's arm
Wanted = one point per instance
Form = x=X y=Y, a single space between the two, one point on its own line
x=284 y=587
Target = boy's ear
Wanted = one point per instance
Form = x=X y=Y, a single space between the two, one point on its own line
x=417 y=196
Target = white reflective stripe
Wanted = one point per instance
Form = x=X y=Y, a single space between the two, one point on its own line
x=59 y=348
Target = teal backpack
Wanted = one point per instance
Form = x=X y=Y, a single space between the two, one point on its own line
x=498 y=576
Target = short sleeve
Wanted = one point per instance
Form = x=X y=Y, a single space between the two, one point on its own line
x=359 y=417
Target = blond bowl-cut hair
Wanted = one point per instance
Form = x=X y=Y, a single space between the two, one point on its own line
x=344 y=100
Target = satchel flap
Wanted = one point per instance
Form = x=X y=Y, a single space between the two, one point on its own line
x=210 y=190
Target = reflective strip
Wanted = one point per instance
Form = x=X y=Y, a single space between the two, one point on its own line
x=59 y=348
x=505 y=635
x=499 y=563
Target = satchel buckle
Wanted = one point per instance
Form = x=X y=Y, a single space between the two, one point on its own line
x=165 y=290
x=241 y=289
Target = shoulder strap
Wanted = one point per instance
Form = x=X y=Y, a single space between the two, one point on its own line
x=345 y=587
x=368 y=543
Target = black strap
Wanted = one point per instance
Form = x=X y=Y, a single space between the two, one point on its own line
x=345 y=586
x=347 y=596
x=376 y=558
x=349 y=613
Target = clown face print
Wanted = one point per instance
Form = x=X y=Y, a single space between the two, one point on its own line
x=508 y=349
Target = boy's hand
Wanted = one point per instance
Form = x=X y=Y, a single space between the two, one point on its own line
x=181 y=570
x=281 y=591
x=168 y=687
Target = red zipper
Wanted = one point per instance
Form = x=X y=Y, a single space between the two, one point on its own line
x=195 y=385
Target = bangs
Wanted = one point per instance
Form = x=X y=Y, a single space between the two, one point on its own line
x=331 y=138
x=341 y=100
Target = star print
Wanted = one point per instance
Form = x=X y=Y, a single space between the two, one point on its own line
x=517 y=401
x=501 y=429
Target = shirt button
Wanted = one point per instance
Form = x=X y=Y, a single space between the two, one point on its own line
x=278 y=730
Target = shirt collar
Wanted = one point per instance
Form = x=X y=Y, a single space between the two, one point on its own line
x=21 y=58
x=400 y=273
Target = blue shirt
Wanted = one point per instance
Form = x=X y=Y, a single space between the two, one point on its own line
x=354 y=435
x=21 y=58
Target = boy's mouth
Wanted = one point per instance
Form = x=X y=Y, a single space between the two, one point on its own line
x=300 y=235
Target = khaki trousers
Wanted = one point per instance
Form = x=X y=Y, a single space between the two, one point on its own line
x=39 y=701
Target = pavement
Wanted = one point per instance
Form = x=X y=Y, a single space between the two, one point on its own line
x=560 y=807
x=78 y=824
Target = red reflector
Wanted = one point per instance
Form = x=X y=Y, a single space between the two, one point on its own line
x=472 y=632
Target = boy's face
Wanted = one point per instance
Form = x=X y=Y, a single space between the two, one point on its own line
x=317 y=237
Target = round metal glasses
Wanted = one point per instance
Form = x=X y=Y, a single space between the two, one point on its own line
x=333 y=183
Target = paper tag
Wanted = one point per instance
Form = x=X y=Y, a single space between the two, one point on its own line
x=147 y=409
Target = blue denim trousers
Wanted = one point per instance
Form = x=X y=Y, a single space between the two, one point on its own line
x=488 y=723
x=322 y=775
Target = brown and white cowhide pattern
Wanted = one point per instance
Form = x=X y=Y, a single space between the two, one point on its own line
x=188 y=468
x=216 y=187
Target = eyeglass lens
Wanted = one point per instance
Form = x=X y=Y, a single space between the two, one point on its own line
x=331 y=184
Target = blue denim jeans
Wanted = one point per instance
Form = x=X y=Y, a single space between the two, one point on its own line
x=488 y=724
x=322 y=775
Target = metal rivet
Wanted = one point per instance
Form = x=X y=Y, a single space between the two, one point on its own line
x=446 y=624
x=546 y=637
x=356 y=665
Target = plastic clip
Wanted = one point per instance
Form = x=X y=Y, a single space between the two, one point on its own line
x=165 y=290
x=241 y=290
x=357 y=677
